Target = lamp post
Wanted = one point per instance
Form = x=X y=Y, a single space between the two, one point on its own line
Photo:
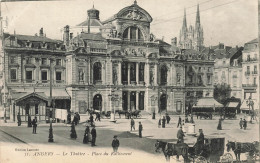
x=50 y=130
x=250 y=103
x=113 y=98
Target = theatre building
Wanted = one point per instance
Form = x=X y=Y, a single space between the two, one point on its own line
x=121 y=67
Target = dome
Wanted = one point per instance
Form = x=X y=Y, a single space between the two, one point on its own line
x=93 y=13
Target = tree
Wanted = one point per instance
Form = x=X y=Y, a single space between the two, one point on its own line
x=222 y=92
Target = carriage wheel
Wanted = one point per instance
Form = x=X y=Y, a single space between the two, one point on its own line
x=227 y=157
x=201 y=159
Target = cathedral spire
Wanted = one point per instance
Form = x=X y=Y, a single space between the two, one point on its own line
x=184 y=26
x=197 y=17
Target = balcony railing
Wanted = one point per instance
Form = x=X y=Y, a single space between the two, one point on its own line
x=250 y=59
x=247 y=73
x=254 y=72
x=249 y=85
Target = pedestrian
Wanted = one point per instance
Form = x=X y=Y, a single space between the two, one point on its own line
x=91 y=119
x=34 y=123
x=200 y=143
x=191 y=119
x=153 y=115
x=78 y=117
x=75 y=119
x=241 y=123
x=19 y=121
x=29 y=121
x=168 y=118
x=94 y=136
x=186 y=119
x=244 y=124
x=140 y=129
x=132 y=124
x=97 y=117
x=86 y=135
x=183 y=126
x=68 y=118
x=159 y=123
x=115 y=144
x=163 y=122
x=73 y=134
x=179 y=122
x=219 y=124
x=180 y=136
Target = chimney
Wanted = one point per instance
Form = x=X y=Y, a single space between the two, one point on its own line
x=163 y=38
x=174 y=41
x=41 y=32
x=71 y=36
x=66 y=37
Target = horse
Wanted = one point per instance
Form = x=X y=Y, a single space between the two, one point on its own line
x=237 y=148
x=170 y=149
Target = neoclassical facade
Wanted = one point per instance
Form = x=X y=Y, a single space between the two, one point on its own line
x=122 y=67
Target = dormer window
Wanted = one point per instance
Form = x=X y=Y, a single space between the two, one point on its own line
x=235 y=62
x=133 y=34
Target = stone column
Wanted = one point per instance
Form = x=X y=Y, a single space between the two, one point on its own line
x=155 y=74
x=128 y=74
x=128 y=99
x=137 y=72
x=137 y=100
x=111 y=72
x=119 y=79
x=147 y=72
x=89 y=71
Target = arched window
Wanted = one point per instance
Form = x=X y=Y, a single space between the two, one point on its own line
x=97 y=72
x=133 y=34
x=164 y=75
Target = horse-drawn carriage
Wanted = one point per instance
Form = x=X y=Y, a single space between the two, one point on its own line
x=212 y=150
x=129 y=114
x=107 y=114
x=230 y=113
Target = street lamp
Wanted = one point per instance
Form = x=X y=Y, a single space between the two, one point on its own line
x=250 y=103
x=113 y=98
x=50 y=130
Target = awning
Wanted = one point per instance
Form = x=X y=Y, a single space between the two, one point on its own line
x=31 y=97
x=207 y=102
x=232 y=104
x=57 y=94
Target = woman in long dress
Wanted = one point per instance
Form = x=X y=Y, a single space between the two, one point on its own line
x=86 y=135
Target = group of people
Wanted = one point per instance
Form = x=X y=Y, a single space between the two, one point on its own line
x=76 y=118
x=140 y=127
x=164 y=120
x=90 y=136
x=243 y=124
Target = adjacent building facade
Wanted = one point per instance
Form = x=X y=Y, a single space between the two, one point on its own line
x=250 y=71
x=122 y=67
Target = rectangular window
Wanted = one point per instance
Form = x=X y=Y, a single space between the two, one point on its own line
x=254 y=81
x=36 y=109
x=44 y=76
x=208 y=79
x=13 y=74
x=12 y=59
x=58 y=62
x=234 y=82
x=255 y=69
x=248 y=57
x=29 y=76
x=44 y=61
x=58 y=76
x=141 y=72
x=248 y=69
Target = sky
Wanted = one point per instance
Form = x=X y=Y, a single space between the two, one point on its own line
x=232 y=22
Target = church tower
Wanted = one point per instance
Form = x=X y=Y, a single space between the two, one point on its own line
x=191 y=38
x=198 y=32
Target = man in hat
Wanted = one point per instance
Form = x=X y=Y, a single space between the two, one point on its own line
x=94 y=135
x=200 y=142
x=241 y=123
x=115 y=144
x=140 y=129
x=180 y=136
x=179 y=122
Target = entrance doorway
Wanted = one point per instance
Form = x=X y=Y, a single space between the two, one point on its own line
x=97 y=102
x=163 y=102
x=133 y=101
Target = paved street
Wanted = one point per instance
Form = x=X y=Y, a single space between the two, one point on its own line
x=129 y=141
